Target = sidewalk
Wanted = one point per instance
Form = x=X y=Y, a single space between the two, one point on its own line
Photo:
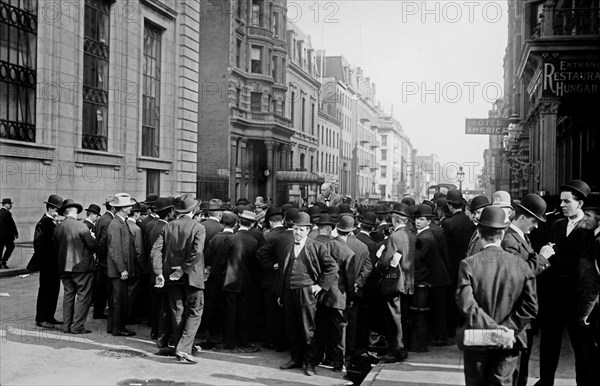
x=18 y=260
x=444 y=366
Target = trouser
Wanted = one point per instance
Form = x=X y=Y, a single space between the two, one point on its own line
x=164 y=328
x=557 y=312
x=351 y=316
x=451 y=310
x=134 y=290
x=236 y=308
x=331 y=335
x=48 y=293
x=437 y=305
x=211 y=321
x=100 y=291
x=186 y=305
x=300 y=307
x=522 y=371
x=396 y=308
x=490 y=367
x=76 y=299
x=117 y=305
x=10 y=247
x=274 y=322
x=269 y=305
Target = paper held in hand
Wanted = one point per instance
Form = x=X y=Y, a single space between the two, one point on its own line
x=489 y=338
x=395 y=259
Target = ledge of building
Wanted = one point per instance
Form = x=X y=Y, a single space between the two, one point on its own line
x=153 y=163
x=94 y=157
x=18 y=149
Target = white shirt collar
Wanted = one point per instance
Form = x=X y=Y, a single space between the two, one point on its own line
x=243 y=228
x=577 y=219
x=519 y=231
x=491 y=245
x=228 y=230
x=424 y=229
x=214 y=218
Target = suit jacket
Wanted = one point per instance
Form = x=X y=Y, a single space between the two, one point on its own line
x=273 y=252
x=429 y=265
x=588 y=281
x=218 y=251
x=440 y=239
x=475 y=245
x=90 y=225
x=321 y=266
x=121 y=248
x=515 y=244
x=343 y=282
x=241 y=262
x=137 y=265
x=8 y=228
x=321 y=238
x=362 y=264
x=458 y=230
x=402 y=241
x=565 y=262
x=75 y=246
x=334 y=199
x=100 y=231
x=44 y=251
x=495 y=289
x=153 y=230
x=180 y=244
x=212 y=227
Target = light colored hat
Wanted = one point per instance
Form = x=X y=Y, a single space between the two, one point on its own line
x=122 y=200
x=260 y=202
x=248 y=215
x=501 y=199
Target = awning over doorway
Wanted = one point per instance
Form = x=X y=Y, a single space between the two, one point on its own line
x=297 y=176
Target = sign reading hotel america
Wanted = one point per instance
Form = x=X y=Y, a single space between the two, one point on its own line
x=570 y=78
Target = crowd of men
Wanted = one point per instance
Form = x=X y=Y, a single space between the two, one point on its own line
x=323 y=281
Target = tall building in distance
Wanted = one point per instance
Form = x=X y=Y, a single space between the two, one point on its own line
x=394 y=159
x=552 y=76
x=96 y=97
x=245 y=135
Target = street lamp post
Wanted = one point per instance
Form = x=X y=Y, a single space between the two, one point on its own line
x=460 y=177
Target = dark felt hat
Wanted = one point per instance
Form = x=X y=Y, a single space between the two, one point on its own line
x=479 y=202
x=273 y=210
x=534 y=205
x=6 y=201
x=423 y=210
x=291 y=213
x=163 y=203
x=592 y=201
x=346 y=223
x=215 y=205
x=93 y=208
x=55 y=200
x=69 y=203
x=408 y=201
x=380 y=209
x=578 y=186
x=314 y=211
x=400 y=208
x=151 y=200
x=493 y=217
x=185 y=203
x=325 y=219
x=302 y=219
x=454 y=196
x=139 y=207
x=369 y=219
x=334 y=212
x=345 y=208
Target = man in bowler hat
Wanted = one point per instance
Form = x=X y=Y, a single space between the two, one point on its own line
x=8 y=232
x=495 y=291
x=100 y=290
x=92 y=213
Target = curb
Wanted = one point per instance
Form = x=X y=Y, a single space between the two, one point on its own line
x=14 y=272
x=372 y=375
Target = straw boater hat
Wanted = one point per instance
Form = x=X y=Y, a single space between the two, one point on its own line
x=122 y=200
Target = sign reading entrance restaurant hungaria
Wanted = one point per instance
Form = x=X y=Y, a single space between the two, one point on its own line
x=570 y=77
x=486 y=126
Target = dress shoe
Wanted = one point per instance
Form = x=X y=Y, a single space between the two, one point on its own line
x=124 y=333
x=196 y=349
x=109 y=331
x=54 y=321
x=401 y=356
x=81 y=331
x=153 y=335
x=44 y=324
x=100 y=317
x=309 y=370
x=185 y=358
x=4 y=266
x=291 y=365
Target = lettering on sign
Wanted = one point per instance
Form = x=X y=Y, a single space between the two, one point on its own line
x=570 y=77
x=485 y=126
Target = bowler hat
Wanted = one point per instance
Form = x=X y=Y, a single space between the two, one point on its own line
x=423 y=210
x=242 y=201
x=592 y=201
x=345 y=208
x=479 y=202
x=501 y=199
x=493 y=217
x=272 y=211
x=533 y=204
x=185 y=203
x=302 y=219
x=437 y=196
x=325 y=219
x=291 y=213
x=248 y=215
x=6 y=201
x=55 y=200
x=400 y=208
x=151 y=199
x=454 y=196
x=93 y=208
x=369 y=219
x=408 y=201
x=346 y=223
x=69 y=203
x=578 y=186
x=215 y=204
x=139 y=207
x=380 y=209
x=163 y=203
x=122 y=200
x=314 y=211
x=334 y=212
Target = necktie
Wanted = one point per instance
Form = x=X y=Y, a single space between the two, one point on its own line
x=527 y=240
x=296 y=243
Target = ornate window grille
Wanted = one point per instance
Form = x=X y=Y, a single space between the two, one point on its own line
x=151 y=97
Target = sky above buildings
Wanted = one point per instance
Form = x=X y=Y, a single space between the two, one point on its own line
x=436 y=62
